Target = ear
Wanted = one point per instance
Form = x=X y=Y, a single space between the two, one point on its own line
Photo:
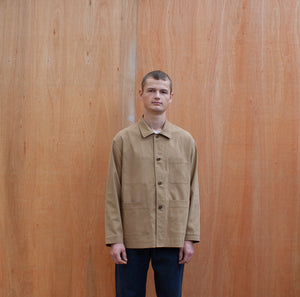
x=140 y=93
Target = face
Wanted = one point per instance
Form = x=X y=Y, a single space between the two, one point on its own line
x=156 y=96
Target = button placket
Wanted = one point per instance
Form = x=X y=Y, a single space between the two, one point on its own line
x=158 y=165
x=160 y=189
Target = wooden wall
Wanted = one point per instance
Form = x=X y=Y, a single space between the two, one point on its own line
x=69 y=75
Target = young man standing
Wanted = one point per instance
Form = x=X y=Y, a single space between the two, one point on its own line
x=152 y=202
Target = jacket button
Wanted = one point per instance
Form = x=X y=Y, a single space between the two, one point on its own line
x=156 y=135
x=158 y=159
x=159 y=183
x=160 y=207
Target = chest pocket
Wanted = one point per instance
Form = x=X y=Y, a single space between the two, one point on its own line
x=179 y=172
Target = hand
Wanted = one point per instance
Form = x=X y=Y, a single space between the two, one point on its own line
x=118 y=253
x=186 y=252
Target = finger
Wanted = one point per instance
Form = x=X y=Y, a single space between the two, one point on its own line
x=124 y=256
x=183 y=261
x=116 y=256
x=180 y=255
x=187 y=258
x=119 y=260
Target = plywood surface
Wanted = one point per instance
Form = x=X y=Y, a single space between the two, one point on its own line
x=69 y=76
x=61 y=77
x=235 y=68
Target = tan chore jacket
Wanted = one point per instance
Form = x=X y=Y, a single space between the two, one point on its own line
x=152 y=195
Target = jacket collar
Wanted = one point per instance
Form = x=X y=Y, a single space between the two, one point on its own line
x=146 y=130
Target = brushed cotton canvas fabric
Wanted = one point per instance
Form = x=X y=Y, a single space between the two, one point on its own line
x=152 y=197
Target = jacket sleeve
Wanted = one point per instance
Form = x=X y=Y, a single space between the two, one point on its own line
x=113 y=219
x=193 y=224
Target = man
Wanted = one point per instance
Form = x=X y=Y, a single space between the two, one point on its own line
x=152 y=202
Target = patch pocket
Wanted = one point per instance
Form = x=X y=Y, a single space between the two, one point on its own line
x=179 y=172
x=136 y=221
x=178 y=215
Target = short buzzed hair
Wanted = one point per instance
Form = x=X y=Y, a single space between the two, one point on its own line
x=157 y=74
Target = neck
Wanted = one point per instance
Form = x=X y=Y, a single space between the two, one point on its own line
x=154 y=121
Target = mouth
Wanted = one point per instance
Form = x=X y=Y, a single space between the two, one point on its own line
x=156 y=103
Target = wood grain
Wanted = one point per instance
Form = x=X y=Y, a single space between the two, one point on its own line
x=235 y=68
x=68 y=78
x=61 y=104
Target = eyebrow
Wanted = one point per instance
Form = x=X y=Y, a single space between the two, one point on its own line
x=153 y=88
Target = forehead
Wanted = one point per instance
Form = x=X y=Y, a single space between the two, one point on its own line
x=157 y=83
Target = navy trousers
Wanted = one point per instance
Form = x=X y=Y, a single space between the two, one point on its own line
x=131 y=278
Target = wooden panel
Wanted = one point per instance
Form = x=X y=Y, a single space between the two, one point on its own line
x=67 y=84
x=235 y=67
x=62 y=81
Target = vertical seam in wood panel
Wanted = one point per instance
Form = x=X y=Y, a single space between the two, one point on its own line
x=128 y=61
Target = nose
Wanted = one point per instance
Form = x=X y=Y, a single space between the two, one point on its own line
x=157 y=95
